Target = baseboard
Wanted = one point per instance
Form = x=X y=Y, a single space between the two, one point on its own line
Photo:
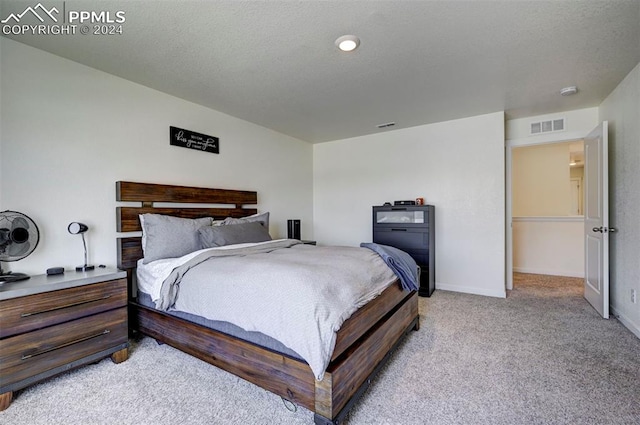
x=498 y=293
x=549 y=272
x=628 y=323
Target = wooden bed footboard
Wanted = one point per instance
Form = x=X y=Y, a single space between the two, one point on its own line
x=363 y=344
x=349 y=376
x=278 y=373
x=344 y=381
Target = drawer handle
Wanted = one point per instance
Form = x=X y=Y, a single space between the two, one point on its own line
x=75 y=341
x=398 y=230
x=64 y=306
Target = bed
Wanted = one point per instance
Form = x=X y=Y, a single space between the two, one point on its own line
x=363 y=343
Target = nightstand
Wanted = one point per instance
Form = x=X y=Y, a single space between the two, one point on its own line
x=50 y=324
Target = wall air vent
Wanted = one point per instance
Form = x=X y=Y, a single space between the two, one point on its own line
x=558 y=124
x=389 y=124
x=547 y=126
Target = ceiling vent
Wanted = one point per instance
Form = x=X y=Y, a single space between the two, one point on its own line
x=548 y=126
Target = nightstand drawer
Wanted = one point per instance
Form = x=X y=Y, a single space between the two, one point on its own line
x=27 y=355
x=24 y=314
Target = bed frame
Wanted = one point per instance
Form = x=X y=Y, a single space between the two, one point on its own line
x=364 y=343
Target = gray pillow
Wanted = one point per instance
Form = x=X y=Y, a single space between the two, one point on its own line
x=262 y=218
x=212 y=236
x=165 y=236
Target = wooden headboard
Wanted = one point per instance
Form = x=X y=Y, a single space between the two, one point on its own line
x=148 y=194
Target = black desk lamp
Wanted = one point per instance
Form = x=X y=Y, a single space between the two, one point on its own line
x=79 y=228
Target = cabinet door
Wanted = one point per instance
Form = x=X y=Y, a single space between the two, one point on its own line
x=402 y=237
x=385 y=217
x=421 y=256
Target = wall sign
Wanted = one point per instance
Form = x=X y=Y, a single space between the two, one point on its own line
x=192 y=140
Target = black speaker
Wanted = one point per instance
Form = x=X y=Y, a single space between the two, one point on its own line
x=293 y=229
x=55 y=270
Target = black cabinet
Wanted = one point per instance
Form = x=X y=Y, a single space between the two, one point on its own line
x=410 y=228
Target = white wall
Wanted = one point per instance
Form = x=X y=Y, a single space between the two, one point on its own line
x=549 y=245
x=541 y=180
x=2 y=208
x=69 y=132
x=622 y=109
x=458 y=166
x=578 y=123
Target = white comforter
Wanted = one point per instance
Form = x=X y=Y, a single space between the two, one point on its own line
x=299 y=295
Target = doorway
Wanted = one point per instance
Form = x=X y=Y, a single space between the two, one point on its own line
x=545 y=225
x=596 y=228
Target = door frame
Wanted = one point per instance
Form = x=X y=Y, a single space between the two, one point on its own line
x=579 y=180
x=547 y=139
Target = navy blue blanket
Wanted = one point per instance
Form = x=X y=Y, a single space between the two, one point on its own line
x=400 y=262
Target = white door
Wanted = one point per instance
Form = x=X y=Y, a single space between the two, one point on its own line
x=596 y=220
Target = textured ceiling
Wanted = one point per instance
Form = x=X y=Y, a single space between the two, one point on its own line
x=274 y=63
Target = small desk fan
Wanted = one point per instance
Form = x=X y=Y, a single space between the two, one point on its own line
x=19 y=236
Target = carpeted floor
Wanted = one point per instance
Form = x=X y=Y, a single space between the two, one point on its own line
x=541 y=356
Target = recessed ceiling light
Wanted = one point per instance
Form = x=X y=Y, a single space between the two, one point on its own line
x=347 y=43
x=568 y=91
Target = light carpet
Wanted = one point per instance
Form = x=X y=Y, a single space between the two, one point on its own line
x=540 y=356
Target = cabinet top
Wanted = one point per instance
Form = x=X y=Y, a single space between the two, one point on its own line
x=402 y=207
x=42 y=283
